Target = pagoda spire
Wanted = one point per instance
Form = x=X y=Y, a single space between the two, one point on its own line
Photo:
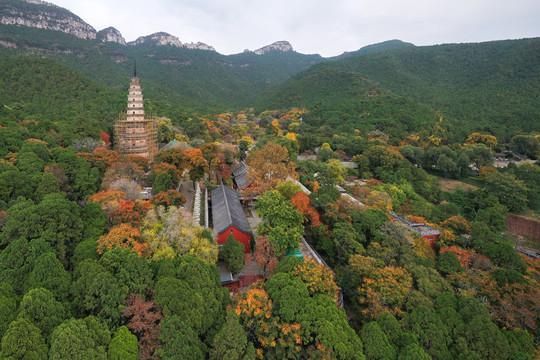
x=135 y=69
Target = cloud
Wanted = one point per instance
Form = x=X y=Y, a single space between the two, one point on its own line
x=328 y=27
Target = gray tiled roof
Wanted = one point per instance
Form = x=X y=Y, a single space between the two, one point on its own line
x=240 y=173
x=227 y=210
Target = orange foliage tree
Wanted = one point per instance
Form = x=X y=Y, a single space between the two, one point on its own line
x=318 y=278
x=169 y=198
x=118 y=209
x=464 y=256
x=302 y=203
x=123 y=236
x=268 y=166
x=254 y=308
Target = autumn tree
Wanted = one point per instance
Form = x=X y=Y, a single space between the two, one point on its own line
x=169 y=232
x=302 y=203
x=264 y=255
x=169 y=198
x=123 y=236
x=143 y=320
x=269 y=166
x=318 y=278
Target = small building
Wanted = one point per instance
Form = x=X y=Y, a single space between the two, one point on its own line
x=240 y=175
x=425 y=231
x=229 y=218
x=146 y=193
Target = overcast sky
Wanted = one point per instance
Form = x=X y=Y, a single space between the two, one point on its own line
x=327 y=27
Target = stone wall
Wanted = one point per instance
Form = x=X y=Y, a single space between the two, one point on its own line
x=523 y=226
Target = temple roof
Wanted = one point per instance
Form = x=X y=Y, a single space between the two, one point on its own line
x=240 y=173
x=227 y=210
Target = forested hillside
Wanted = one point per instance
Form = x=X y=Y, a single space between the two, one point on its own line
x=33 y=88
x=193 y=79
x=491 y=86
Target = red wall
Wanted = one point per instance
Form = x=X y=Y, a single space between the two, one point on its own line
x=520 y=225
x=239 y=235
x=432 y=239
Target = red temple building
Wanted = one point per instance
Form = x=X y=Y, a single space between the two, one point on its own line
x=228 y=217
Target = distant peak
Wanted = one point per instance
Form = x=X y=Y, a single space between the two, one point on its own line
x=281 y=46
x=44 y=15
x=165 y=39
x=378 y=48
x=159 y=38
x=111 y=34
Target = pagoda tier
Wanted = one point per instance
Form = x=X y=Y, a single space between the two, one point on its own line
x=134 y=133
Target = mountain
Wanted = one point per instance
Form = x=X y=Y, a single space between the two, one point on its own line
x=393 y=85
x=179 y=76
x=283 y=46
x=43 y=15
x=377 y=48
x=491 y=86
x=111 y=34
x=165 y=39
x=41 y=90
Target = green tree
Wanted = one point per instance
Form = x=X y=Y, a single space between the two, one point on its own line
x=430 y=330
x=41 y=308
x=232 y=253
x=80 y=339
x=282 y=223
x=494 y=216
x=448 y=263
x=23 y=340
x=8 y=306
x=480 y=155
x=97 y=292
x=179 y=341
x=95 y=220
x=526 y=145
x=128 y=269
x=17 y=261
x=486 y=339
x=48 y=184
x=55 y=220
x=376 y=344
x=347 y=241
x=413 y=352
x=123 y=345
x=85 y=250
x=447 y=166
x=177 y=298
x=49 y=273
x=231 y=341
x=163 y=182
x=510 y=191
